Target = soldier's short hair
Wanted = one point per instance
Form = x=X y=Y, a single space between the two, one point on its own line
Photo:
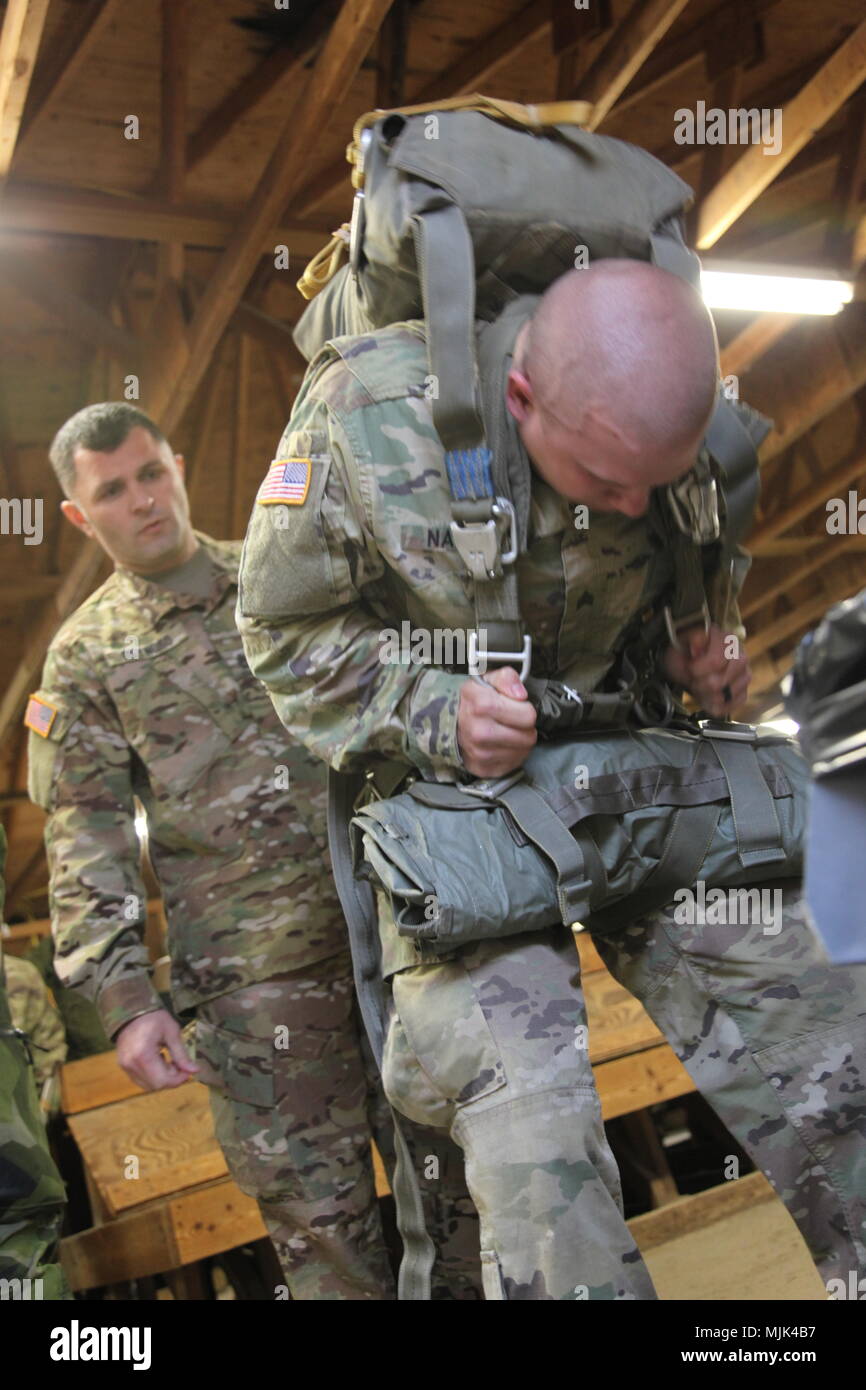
x=102 y=428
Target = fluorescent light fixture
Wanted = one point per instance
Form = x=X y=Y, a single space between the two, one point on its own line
x=764 y=290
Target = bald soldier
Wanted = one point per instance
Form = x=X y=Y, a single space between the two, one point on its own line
x=600 y=391
x=146 y=695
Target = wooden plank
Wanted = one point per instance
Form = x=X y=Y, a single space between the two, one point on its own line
x=625 y=53
x=175 y=1231
x=19 y=43
x=169 y=1132
x=647 y=1078
x=750 y=1255
x=344 y=49
x=79 y=212
x=94 y=1081
x=828 y=368
x=83 y=25
x=34 y=278
x=832 y=484
x=814 y=105
x=618 y=1023
x=755 y=339
x=699 y=1211
x=174 y=35
x=238 y=501
x=282 y=67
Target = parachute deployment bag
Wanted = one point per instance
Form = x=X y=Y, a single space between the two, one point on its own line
x=595 y=830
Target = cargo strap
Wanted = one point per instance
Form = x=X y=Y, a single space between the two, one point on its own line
x=359 y=908
x=759 y=835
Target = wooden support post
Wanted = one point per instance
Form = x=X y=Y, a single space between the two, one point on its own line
x=23 y=23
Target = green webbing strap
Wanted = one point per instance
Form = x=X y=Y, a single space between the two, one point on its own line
x=544 y=828
x=731 y=446
x=359 y=908
x=446 y=269
x=759 y=836
x=689 y=838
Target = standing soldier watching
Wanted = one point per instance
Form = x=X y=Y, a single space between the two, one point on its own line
x=146 y=693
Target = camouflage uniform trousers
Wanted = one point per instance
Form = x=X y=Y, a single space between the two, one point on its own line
x=32 y=1195
x=775 y=1039
x=490 y=1047
x=295 y=1102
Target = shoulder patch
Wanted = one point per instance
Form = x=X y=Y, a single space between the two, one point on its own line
x=40 y=715
x=286 y=482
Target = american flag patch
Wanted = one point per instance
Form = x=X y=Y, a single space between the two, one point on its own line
x=287 y=481
x=39 y=716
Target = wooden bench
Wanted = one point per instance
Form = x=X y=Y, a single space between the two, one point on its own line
x=183 y=1207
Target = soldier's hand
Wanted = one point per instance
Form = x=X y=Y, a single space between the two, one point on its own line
x=495 y=724
x=718 y=682
x=139 y=1051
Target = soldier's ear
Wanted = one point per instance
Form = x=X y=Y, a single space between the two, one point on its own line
x=181 y=463
x=519 y=396
x=76 y=516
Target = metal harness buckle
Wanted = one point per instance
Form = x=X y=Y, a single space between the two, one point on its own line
x=694 y=503
x=479 y=543
x=477 y=661
x=701 y=615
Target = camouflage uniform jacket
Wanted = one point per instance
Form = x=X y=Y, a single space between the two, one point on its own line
x=34 y=1012
x=323 y=581
x=152 y=698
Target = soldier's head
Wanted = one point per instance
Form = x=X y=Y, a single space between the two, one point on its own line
x=124 y=487
x=613 y=383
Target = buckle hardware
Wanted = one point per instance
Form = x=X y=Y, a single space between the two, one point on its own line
x=480 y=543
x=490 y=789
x=477 y=661
x=713 y=728
x=675 y=626
x=694 y=504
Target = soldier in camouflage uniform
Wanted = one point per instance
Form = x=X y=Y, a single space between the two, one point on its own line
x=32 y=1196
x=34 y=1013
x=146 y=694
x=608 y=382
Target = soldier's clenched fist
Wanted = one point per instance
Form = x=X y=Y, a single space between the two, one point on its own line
x=495 y=723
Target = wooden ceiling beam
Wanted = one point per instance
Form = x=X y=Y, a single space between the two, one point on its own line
x=79 y=212
x=832 y=484
x=624 y=54
x=19 y=43
x=484 y=60
x=174 y=38
x=347 y=44
x=784 y=579
x=813 y=106
x=753 y=341
x=282 y=67
x=83 y=25
x=827 y=369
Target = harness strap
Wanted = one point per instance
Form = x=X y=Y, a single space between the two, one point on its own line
x=446 y=268
x=688 y=840
x=359 y=908
x=544 y=828
x=759 y=836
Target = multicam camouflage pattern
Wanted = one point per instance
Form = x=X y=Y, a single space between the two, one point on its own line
x=33 y=1012
x=294 y=1103
x=775 y=1039
x=32 y=1196
x=289 y=1100
x=154 y=700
